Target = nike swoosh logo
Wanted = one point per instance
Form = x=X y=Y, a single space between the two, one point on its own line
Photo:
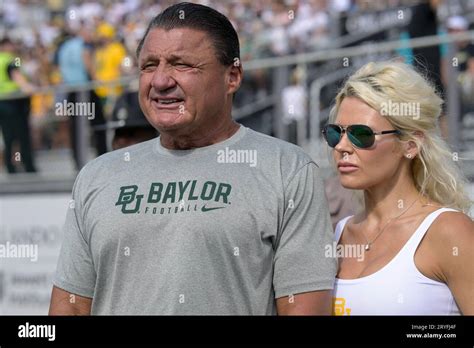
x=204 y=209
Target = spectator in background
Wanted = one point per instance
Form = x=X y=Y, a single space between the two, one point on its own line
x=129 y=123
x=278 y=18
x=108 y=59
x=75 y=64
x=294 y=99
x=14 y=113
x=465 y=63
x=424 y=22
x=465 y=55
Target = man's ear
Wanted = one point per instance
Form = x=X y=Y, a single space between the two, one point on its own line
x=235 y=76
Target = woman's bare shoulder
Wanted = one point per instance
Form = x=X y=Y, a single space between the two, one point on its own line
x=453 y=226
x=452 y=234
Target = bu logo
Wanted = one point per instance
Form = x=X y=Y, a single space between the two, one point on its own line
x=127 y=196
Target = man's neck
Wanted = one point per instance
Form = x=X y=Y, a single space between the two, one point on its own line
x=199 y=138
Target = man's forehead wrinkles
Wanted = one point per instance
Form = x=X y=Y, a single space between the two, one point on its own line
x=150 y=53
x=153 y=55
x=165 y=41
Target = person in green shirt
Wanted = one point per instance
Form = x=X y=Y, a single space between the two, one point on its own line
x=14 y=112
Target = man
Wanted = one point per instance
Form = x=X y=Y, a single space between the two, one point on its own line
x=14 y=113
x=108 y=59
x=75 y=59
x=424 y=22
x=464 y=57
x=193 y=222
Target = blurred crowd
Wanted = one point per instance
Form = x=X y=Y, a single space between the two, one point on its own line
x=266 y=28
x=62 y=42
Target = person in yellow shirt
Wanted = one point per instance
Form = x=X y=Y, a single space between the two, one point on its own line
x=109 y=57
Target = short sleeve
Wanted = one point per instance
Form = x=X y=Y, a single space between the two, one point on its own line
x=300 y=264
x=75 y=271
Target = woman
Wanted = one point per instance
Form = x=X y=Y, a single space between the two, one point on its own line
x=414 y=243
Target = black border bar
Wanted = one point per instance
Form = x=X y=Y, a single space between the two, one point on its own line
x=260 y=330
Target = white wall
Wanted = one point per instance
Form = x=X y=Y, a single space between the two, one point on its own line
x=34 y=219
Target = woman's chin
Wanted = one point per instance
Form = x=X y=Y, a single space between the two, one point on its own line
x=352 y=184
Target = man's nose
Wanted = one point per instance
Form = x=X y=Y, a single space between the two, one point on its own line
x=162 y=79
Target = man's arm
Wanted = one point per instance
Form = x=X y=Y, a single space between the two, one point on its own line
x=301 y=266
x=66 y=303
x=309 y=303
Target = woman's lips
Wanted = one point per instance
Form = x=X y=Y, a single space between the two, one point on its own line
x=347 y=167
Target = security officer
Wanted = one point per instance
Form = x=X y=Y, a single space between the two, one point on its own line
x=14 y=113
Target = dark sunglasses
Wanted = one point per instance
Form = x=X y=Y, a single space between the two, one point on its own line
x=360 y=135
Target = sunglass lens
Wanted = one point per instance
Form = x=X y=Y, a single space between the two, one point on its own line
x=361 y=136
x=333 y=135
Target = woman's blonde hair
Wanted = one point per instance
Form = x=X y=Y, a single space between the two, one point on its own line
x=395 y=86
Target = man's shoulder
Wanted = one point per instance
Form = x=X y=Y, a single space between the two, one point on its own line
x=289 y=158
x=278 y=146
x=114 y=162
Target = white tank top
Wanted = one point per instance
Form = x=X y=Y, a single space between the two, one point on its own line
x=399 y=288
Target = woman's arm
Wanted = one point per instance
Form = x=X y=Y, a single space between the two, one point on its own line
x=454 y=246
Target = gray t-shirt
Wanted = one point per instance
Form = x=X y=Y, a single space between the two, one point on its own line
x=222 y=229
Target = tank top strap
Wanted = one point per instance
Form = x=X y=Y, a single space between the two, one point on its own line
x=340 y=227
x=415 y=239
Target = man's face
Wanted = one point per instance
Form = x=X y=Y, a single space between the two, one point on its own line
x=182 y=84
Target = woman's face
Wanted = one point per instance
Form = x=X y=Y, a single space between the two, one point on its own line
x=370 y=166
